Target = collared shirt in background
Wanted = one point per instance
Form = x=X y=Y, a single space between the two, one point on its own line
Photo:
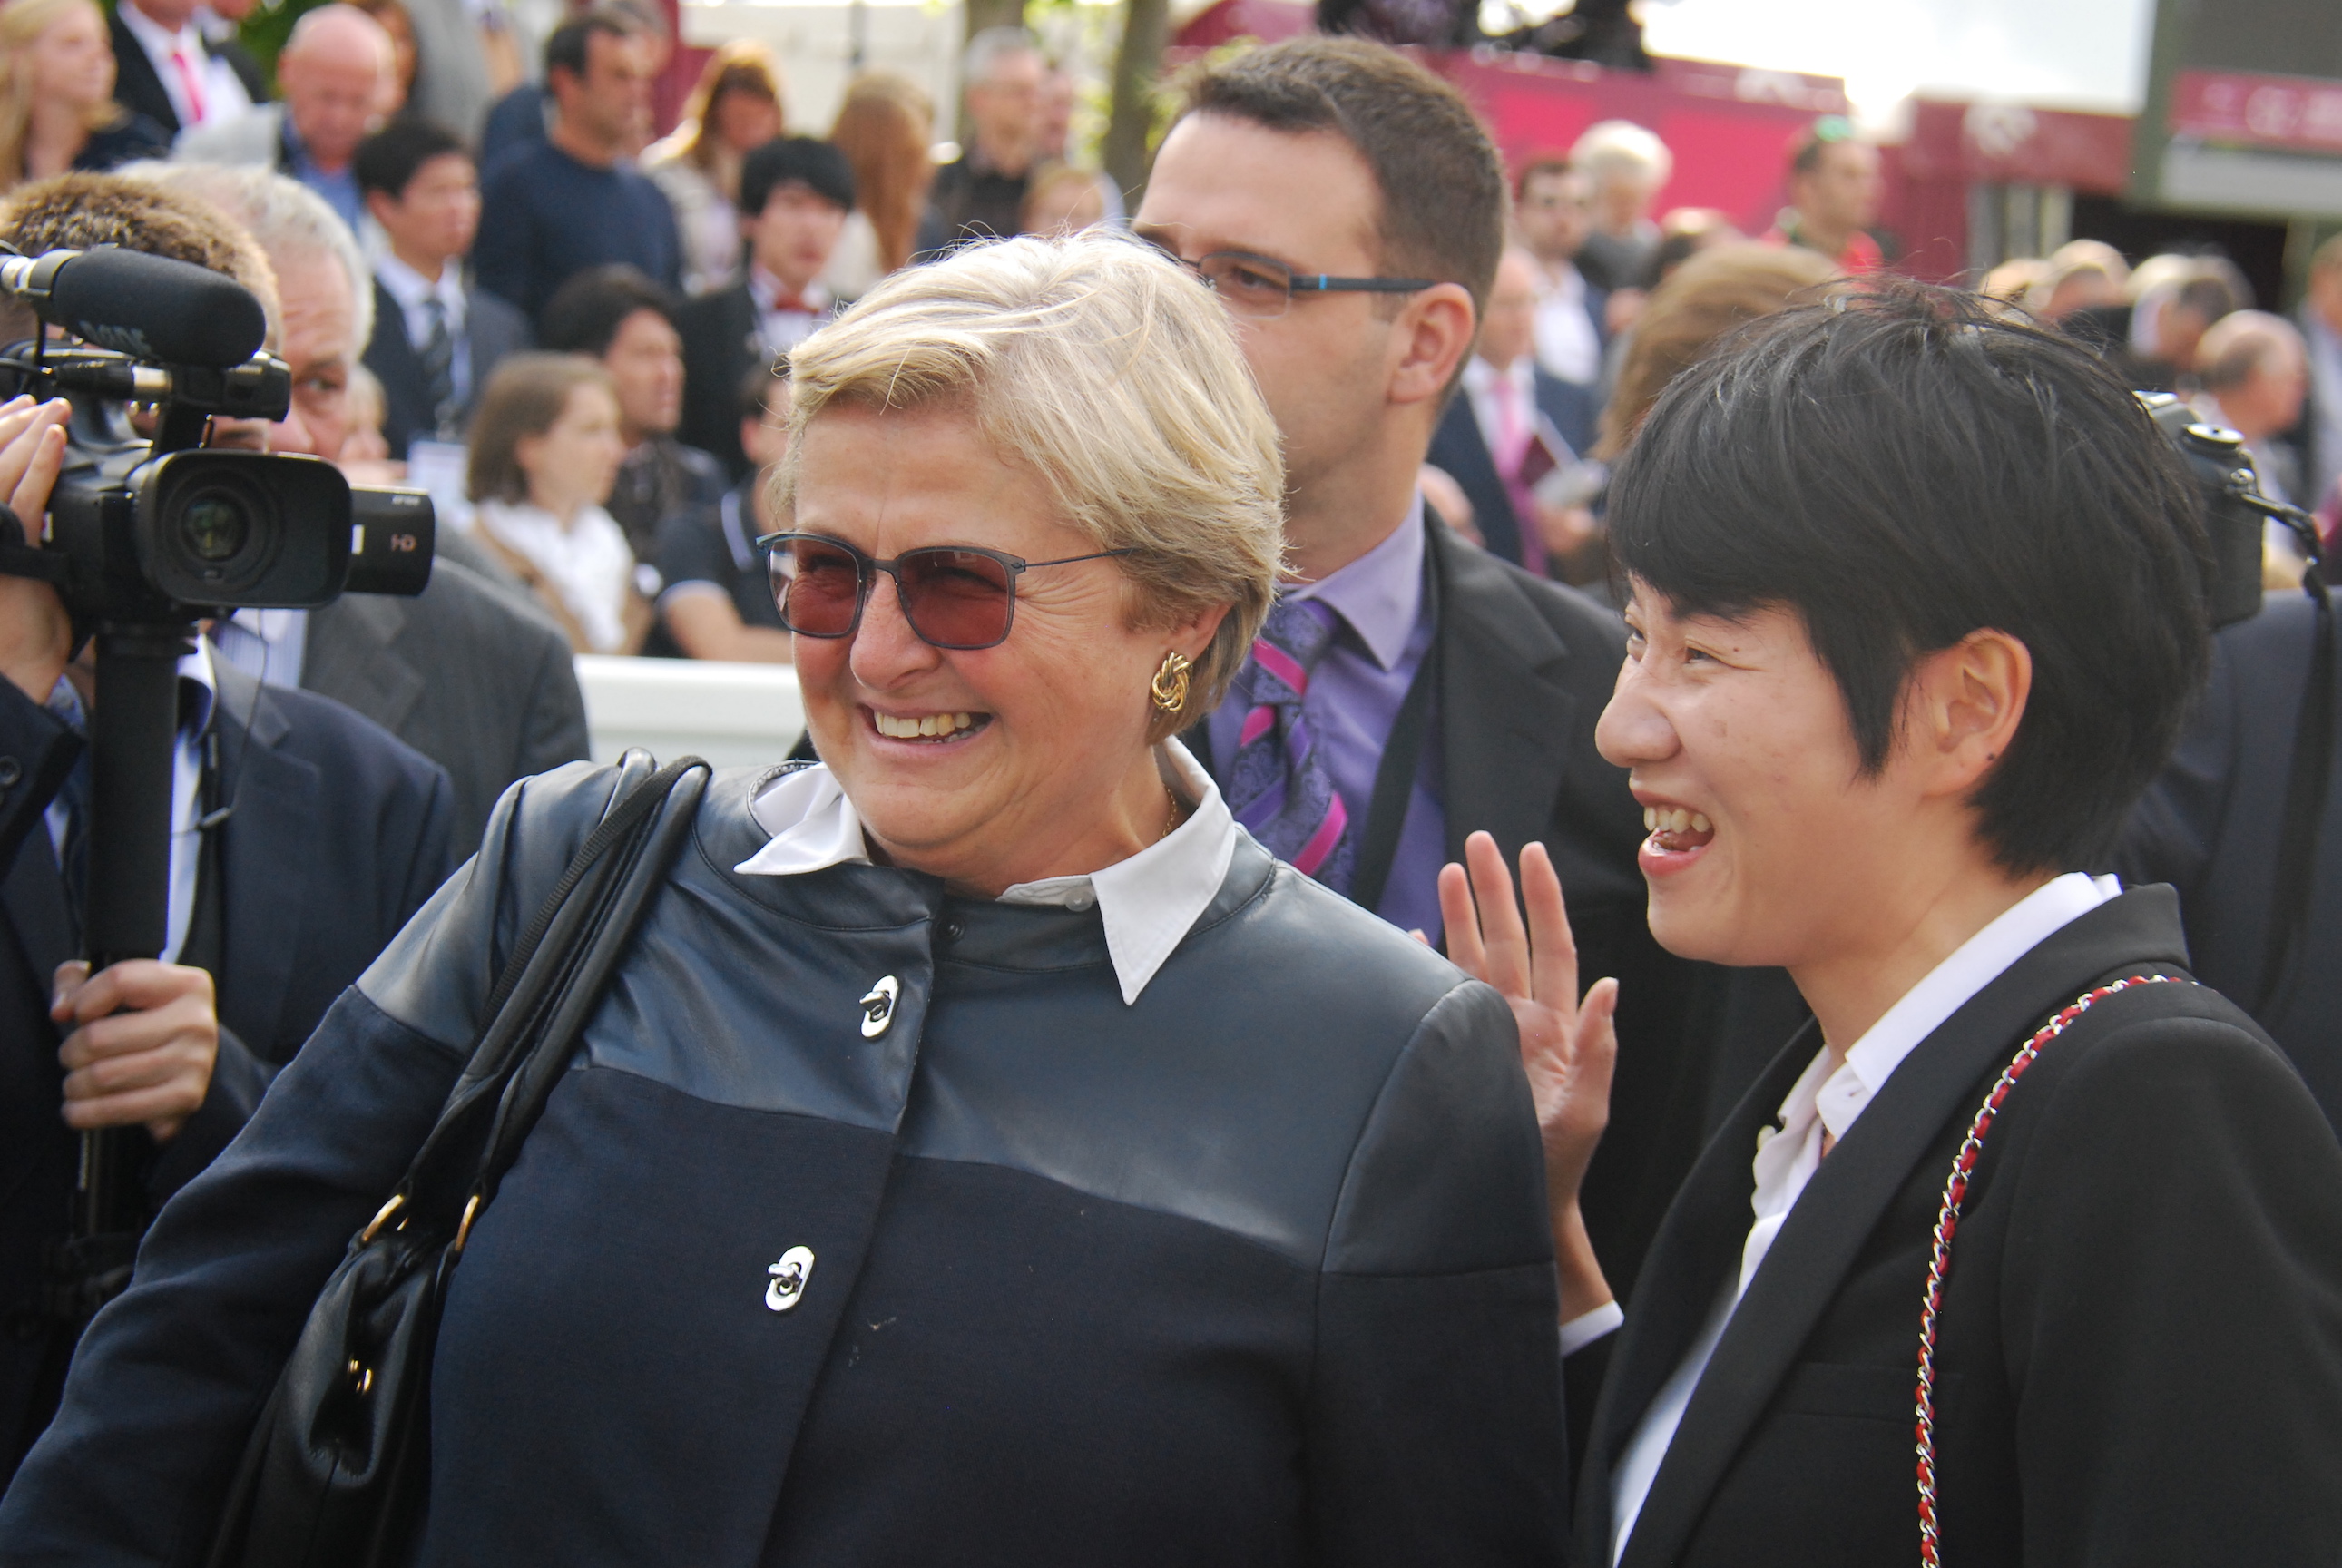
x=1355 y=694
x=414 y=294
x=1567 y=343
x=204 y=89
x=785 y=320
x=1147 y=903
x=1835 y=1090
x=266 y=645
x=340 y=190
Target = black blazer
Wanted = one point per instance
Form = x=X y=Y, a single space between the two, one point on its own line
x=2139 y=1356
x=473 y=676
x=2212 y=825
x=721 y=344
x=1458 y=447
x=492 y=329
x=1525 y=667
x=137 y=87
x=336 y=834
x=1252 y=1270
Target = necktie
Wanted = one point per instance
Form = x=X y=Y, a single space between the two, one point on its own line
x=192 y=80
x=1277 y=785
x=438 y=356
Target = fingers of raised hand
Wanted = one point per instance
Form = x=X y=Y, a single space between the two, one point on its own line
x=1505 y=939
x=1553 y=947
x=30 y=433
x=1461 y=921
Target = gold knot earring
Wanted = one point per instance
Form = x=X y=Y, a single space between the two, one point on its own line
x=1169 y=687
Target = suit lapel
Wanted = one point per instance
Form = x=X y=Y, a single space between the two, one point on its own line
x=1834 y=1215
x=269 y=840
x=1506 y=717
x=351 y=656
x=137 y=83
x=33 y=896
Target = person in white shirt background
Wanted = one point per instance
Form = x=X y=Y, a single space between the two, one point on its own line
x=1553 y=214
x=168 y=70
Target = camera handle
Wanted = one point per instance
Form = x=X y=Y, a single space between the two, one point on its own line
x=133 y=731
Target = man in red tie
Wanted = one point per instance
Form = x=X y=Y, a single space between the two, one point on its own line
x=794 y=196
x=165 y=70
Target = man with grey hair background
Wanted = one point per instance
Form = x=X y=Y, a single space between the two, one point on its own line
x=336 y=73
x=468 y=674
x=982 y=192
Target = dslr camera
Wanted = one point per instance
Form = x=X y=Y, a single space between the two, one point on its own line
x=150 y=527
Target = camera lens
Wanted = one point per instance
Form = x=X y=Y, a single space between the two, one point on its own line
x=214 y=527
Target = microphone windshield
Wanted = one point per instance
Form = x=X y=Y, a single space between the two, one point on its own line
x=155 y=309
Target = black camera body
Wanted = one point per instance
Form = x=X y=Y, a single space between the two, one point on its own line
x=149 y=532
x=2236 y=515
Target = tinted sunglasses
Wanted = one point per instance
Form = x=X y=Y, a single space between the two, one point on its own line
x=955 y=596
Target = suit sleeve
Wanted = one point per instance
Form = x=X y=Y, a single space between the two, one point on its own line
x=37 y=751
x=556 y=732
x=2173 y=1309
x=171 y=1376
x=1434 y=1422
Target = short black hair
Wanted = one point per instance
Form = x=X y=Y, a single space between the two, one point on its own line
x=808 y=161
x=1903 y=465
x=389 y=160
x=568 y=46
x=584 y=313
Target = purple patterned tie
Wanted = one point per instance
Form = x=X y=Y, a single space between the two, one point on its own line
x=1277 y=783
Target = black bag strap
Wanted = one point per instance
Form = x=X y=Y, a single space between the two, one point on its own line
x=1402 y=757
x=546 y=989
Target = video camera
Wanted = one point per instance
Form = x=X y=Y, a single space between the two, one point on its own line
x=146 y=532
x=156 y=528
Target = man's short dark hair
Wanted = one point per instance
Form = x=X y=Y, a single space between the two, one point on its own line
x=804 y=161
x=584 y=316
x=1901 y=467
x=1441 y=181
x=1805 y=147
x=389 y=160
x=568 y=46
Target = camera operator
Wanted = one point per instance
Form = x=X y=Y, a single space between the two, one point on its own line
x=302 y=837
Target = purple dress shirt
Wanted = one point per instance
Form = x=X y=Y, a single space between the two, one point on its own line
x=1354 y=700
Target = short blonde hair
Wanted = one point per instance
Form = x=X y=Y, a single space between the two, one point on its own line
x=1621 y=150
x=1115 y=375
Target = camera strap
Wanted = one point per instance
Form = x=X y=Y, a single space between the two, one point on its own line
x=20 y=559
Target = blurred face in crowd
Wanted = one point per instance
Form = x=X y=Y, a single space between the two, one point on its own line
x=645 y=359
x=792 y=236
x=609 y=110
x=433 y=219
x=744 y=121
x=1005 y=109
x=73 y=61
x=1034 y=783
x=2325 y=296
x=1509 y=326
x=170 y=14
x=320 y=342
x=574 y=464
x=1841 y=194
x=336 y=80
x=1623 y=200
x=2269 y=401
x=1308 y=201
x=1770 y=846
x=1056 y=118
x=1554 y=214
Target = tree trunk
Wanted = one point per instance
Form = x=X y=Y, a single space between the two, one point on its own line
x=1138 y=65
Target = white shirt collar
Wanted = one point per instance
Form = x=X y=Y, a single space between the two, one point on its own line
x=1147 y=903
x=161 y=43
x=410 y=288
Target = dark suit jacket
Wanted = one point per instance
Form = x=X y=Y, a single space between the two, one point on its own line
x=492 y=328
x=337 y=834
x=1458 y=446
x=2140 y=1353
x=473 y=677
x=720 y=341
x=2213 y=825
x=1525 y=667
x=137 y=87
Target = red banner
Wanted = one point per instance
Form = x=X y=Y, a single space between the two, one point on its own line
x=2299 y=113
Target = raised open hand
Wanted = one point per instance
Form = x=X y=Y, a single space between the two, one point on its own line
x=1568 y=1044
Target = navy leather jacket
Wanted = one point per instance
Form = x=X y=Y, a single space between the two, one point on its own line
x=1255 y=1271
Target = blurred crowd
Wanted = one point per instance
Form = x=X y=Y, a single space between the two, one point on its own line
x=565 y=329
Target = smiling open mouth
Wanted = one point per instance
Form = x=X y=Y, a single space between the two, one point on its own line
x=935 y=728
x=1675 y=830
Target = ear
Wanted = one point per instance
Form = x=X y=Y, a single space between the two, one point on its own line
x=1191 y=635
x=1432 y=334
x=1964 y=704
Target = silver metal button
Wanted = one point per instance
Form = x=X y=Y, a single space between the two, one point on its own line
x=878 y=1007
x=789 y=1277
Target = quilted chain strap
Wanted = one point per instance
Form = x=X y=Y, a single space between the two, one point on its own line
x=1948 y=1220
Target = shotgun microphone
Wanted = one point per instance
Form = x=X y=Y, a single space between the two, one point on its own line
x=147 y=306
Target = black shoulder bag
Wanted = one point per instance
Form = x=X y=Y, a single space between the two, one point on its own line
x=338 y=1467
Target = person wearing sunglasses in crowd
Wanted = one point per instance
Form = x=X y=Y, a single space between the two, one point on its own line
x=1150 y=1203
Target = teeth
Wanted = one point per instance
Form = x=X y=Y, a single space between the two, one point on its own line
x=1699 y=823
x=1673 y=819
x=929 y=726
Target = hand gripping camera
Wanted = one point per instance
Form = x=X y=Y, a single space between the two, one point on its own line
x=147 y=533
